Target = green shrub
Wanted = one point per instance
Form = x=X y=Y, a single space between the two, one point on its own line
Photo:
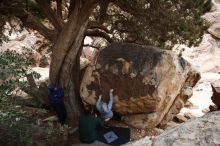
x=17 y=125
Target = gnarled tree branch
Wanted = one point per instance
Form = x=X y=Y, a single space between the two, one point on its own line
x=56 y=21
x=29 y=20
x=103 y=9
x=95 y=24
x=130 y=8
x=59 y=8
x=98 y=33
x=89 y=45
x=72 y=6
x=34 y=23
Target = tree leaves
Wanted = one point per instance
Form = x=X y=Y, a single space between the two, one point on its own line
x=156 y=22
x=14 y=67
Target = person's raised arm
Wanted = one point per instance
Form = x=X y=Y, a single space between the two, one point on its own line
x=98 y=105
x=110 y=99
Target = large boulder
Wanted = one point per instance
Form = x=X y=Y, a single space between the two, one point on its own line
x=150 y=85
x=216 y=93
x=215 y=30
x=202 y=131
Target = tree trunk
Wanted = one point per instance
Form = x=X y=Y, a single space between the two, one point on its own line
x=64 y=68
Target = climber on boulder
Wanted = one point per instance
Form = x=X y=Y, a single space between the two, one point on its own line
x=105 y=109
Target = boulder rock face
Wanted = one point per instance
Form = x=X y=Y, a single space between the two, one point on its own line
x=202 y=131
x=215 y=30
x=150 y=85
x=216 y=93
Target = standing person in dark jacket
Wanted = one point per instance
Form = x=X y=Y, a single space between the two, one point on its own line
x=88 y=127
x=56 y=94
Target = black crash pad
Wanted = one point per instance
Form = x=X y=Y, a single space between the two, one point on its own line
x=113 y=135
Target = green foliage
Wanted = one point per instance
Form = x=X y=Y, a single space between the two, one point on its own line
x=11 y=10
x=18 y=126
x=2 y=36
x=161 y=23
x=14 y=67
x=50 y=129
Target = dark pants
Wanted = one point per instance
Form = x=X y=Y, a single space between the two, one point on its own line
x=61 y=112
x=88 y=142
x=117 y=116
